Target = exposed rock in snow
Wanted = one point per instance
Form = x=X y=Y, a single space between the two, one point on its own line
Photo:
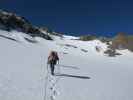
x=11 y=21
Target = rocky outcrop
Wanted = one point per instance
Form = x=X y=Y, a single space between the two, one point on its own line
x=10 y=21
x=120 y=41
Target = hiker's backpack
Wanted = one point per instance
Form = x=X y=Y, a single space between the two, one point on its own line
x=53 y=57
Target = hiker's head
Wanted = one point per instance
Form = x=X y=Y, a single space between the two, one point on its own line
x=53 y=53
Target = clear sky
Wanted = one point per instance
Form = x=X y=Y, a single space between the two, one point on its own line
x=76 y=16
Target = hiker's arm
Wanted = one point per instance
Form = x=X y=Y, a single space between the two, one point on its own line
x=58 y=61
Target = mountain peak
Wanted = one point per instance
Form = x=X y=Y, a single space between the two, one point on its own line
x=11 y=21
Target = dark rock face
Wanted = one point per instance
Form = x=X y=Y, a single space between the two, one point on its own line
x=111 y=52
x=10 y=21
x=88 y=37
x=120 y=41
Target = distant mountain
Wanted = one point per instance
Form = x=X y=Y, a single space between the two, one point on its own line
x=10 y=21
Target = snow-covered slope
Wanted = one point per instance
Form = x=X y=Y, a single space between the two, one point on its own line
x=23 y=70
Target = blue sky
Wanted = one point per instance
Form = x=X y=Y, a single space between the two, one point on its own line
x=76 y=16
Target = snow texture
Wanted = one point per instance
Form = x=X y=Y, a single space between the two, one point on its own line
x=24 y=74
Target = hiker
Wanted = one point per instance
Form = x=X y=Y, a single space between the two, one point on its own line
x=52 y=60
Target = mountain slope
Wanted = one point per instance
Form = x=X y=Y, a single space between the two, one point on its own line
x=23 y=70
x=11 y=21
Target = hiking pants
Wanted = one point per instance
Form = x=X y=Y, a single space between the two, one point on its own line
x=52 y=65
